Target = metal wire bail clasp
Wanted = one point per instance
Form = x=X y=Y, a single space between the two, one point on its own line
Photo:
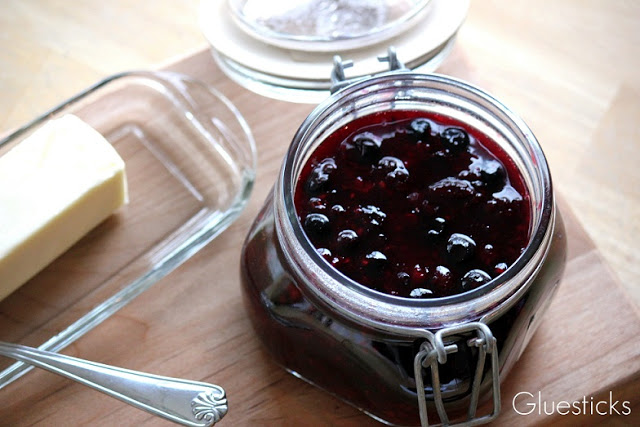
x=433 y=352
x=339 y=80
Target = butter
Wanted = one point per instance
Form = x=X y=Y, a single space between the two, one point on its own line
x=55 y=186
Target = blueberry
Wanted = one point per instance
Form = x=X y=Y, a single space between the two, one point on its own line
x=318 y=180
x=316 y=224
x=419 y=275
x=369 y=217
x=474 y=278
x=366 y=147
x=437 y=227
x=394 y=168
x=420 y=126
x=375 y=261
x=317 y=204
x=460 y=247
x=324 y=253
x=420 y=293
x=441 y=279
x=492 y=172
x=347 y=240
x=404 y=278
x=452 y=188
x=455 y=139
x=501 y=267
x=389 y=164
x=328 y=256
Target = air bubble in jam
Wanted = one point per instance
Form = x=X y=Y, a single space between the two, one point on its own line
x=407 y=189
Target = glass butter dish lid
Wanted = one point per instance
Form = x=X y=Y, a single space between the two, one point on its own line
x=284 y=49
x=190 y=164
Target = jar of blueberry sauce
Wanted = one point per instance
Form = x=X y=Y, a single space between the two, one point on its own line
x=408 y=249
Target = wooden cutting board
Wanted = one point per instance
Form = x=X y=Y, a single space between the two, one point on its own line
x=192 y=324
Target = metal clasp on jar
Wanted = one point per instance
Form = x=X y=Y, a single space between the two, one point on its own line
x=339 y=79
x=433 y=353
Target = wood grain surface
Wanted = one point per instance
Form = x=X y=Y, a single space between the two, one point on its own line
x=568 y=68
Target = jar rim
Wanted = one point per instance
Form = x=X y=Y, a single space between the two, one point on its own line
x=389 y=309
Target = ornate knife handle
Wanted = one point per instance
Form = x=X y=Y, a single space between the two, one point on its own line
x=189 y=403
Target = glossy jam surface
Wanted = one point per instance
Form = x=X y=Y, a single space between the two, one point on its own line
x=413 y=205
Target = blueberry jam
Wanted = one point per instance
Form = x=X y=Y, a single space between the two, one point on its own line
x=414 y=205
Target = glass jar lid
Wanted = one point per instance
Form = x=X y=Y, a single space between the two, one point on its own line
x=325 y=25
x=294 y=62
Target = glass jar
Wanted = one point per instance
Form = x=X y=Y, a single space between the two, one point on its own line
x=401 y=360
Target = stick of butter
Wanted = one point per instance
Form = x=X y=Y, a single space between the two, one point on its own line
x=55 y=186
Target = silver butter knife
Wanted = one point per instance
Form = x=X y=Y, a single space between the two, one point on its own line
x=185 y=402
